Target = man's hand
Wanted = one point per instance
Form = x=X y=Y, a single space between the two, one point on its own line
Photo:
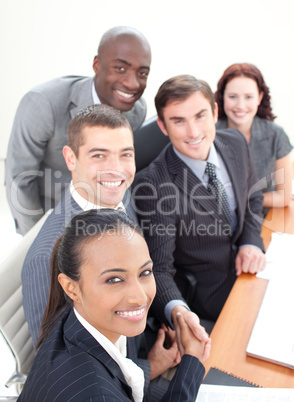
x=250 y=260
x=160 y=358
x=192 y=320
x=188 y=343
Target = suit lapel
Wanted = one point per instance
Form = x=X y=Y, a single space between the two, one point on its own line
x=82 y=95
x=77 y=335
x=127 y=201
x=233 y=168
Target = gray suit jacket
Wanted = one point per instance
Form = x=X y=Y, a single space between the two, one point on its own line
x=36 y=268
x=36 y=173
x=185 y=231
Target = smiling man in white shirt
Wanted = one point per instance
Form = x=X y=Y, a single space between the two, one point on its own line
x=100 y=158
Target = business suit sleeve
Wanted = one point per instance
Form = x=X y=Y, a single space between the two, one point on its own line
x=186 y=382
x=156 y=212
x=184 y=385
x=35 y=289
x=253 y=214
x=32 y=128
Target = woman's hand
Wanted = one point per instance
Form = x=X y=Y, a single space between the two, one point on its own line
x=160 y=358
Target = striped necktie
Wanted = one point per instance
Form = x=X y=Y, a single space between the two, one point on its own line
x=216 y=187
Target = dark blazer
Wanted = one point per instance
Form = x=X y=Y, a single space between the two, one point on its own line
x=72 y=366
x=185 y=231
x=36 y=268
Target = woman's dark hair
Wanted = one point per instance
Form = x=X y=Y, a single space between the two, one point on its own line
x=68 y=256
x=244 y=70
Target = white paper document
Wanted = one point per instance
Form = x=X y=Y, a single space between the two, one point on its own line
x=272 y=338
x=222 y=393
x=279 y=255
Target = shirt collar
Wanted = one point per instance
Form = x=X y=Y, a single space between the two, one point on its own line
x=132 y=373
x=120 y=344
x=198 y=166
x=86 y=205
x=96 y=100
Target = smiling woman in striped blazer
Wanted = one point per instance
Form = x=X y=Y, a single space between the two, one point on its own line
x=102 y=286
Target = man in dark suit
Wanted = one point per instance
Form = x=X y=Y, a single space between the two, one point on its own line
x=198 y=208
x=36 y=173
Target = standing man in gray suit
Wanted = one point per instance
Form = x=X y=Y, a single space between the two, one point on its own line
x=198 y=208
x=36 y=174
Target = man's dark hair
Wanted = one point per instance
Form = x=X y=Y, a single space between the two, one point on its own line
x=179 y=88
x=91 y=116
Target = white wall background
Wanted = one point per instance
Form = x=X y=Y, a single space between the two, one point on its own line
x=43 y=39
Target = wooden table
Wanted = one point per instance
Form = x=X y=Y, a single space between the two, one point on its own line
x=233 y=328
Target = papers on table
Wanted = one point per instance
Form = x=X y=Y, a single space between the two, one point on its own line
x=279 y=255
x=268 y=341
x=222 y=393
x=272 y=337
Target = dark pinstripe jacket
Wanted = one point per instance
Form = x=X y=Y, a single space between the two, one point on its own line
x=72 y=366
x=185 y=231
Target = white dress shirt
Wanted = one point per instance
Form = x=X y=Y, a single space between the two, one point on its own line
x=87 y=205
x=133 y=374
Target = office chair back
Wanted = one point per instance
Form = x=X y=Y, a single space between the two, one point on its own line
x=13 y=326
x=149 y=141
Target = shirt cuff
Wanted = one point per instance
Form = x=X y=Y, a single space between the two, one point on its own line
x=250 y=245
x=169 y=308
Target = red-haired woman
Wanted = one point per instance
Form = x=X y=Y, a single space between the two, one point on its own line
x=244 y=103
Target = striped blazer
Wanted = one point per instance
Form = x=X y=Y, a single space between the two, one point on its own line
x=72 y=366
x=185 y=231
